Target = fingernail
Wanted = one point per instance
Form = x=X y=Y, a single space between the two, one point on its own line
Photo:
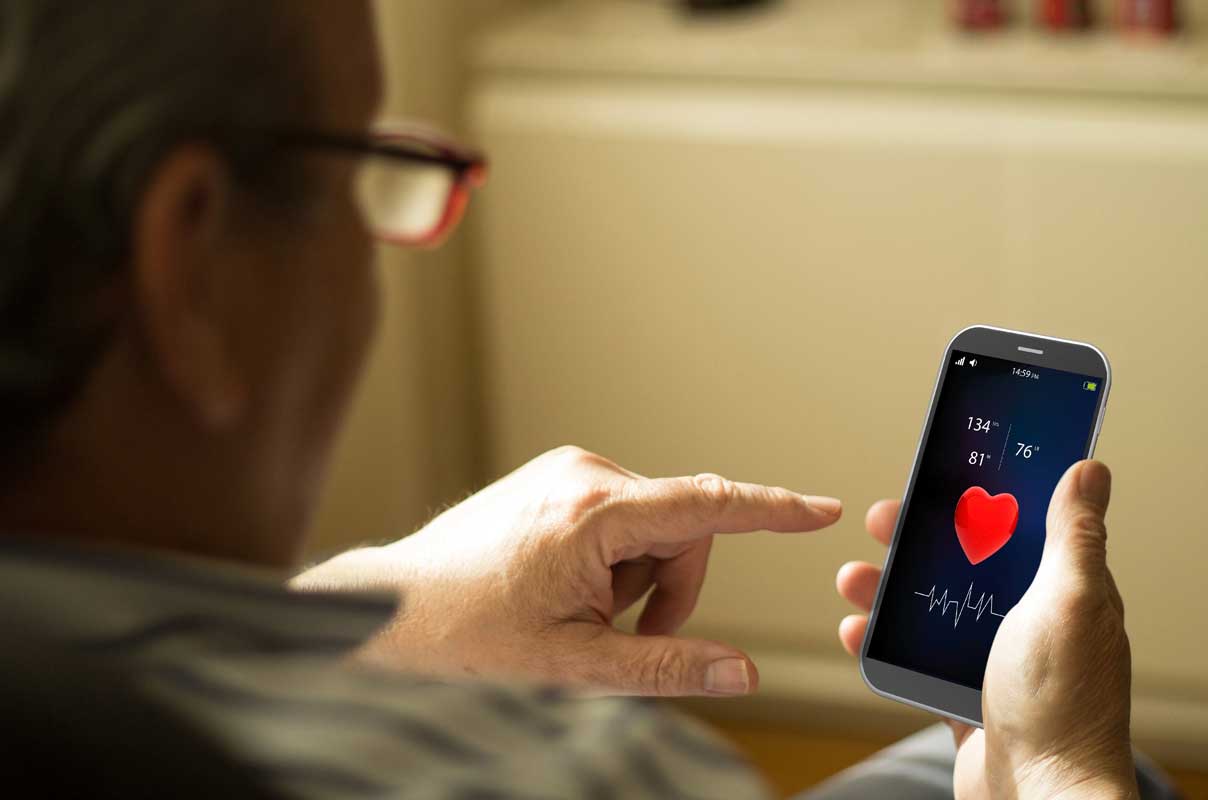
x=728 y=676
x=1095 y=483
x=827 y=505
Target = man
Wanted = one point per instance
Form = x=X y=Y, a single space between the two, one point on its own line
x=187 y=296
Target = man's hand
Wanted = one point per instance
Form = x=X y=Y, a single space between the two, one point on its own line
x=524 y=579
x=1055 y=701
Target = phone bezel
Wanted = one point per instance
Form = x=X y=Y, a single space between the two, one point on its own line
x=916 y=689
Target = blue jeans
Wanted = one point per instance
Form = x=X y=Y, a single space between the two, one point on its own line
x=920 y=768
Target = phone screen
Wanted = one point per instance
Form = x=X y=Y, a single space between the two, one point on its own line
x=1001 y=436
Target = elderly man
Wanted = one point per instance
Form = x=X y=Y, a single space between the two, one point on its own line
x=186 y=191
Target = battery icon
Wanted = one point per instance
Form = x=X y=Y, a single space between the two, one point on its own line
x=1090 y=386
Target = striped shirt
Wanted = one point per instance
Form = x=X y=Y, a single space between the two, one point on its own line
x=265 y=671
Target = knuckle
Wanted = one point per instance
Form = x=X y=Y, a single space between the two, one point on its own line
x=664 y=673
x=1125 y=650
x=573 y=456
x=1113 y=643
x=585 y=500
x=1081 y=600
x=567 y=452
x=1087 y=524
x=717 y=492
x=578 y=490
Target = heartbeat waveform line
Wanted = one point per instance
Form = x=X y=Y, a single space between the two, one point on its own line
x=979 y=608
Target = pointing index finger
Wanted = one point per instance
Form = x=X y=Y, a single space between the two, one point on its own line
x=674 y=510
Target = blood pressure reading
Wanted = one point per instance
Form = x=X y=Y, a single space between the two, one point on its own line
x=978 y=458
x=1002 y=435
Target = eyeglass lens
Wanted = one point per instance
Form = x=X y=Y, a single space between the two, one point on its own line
x=409 y=202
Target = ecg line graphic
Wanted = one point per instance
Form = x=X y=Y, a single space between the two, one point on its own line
x=979 y=608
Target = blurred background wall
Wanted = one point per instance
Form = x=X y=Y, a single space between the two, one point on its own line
x=739 y=244
x=413 y=442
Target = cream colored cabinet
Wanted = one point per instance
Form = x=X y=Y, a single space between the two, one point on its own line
x=751 y=266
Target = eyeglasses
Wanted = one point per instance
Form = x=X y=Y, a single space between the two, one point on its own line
x=413 y=184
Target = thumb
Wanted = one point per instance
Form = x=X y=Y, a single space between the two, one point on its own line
x=668 y=666
x=1076 y=543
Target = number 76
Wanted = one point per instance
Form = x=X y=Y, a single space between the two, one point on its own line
x=1026 y=450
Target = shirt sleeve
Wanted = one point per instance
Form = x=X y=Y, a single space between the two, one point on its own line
x=317 y=732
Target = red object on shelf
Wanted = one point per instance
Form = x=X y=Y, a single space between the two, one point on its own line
x=979 y=15
x=1155 y=16
x=1064 y=15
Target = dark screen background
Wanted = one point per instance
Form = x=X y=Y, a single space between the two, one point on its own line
x=1056 y=413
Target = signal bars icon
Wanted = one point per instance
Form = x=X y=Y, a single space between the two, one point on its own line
x=960 y=362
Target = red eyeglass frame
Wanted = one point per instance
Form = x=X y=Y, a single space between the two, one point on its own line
x=416 y=143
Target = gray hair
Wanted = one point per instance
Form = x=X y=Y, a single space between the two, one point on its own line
x=92 y=95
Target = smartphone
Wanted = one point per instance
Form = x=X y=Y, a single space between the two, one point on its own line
x=1009 y=414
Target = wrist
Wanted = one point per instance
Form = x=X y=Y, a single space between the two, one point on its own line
x=359 y=570
x=1115 y=779
x=1092 y=789
x=385 y=570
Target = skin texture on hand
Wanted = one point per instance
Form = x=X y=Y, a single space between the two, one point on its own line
x=1055 y=701
x=524 y=579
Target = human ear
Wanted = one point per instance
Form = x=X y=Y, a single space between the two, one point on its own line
x=179 y=242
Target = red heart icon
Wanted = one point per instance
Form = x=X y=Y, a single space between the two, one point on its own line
x=984 y=523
